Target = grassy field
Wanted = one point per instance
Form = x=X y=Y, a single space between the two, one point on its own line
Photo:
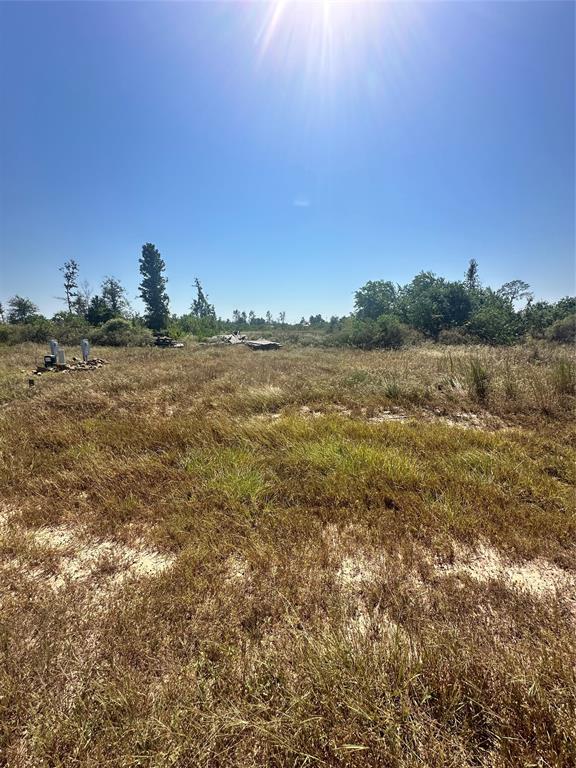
x=215 y=557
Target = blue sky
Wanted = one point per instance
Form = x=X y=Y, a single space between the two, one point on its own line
x=286 y=153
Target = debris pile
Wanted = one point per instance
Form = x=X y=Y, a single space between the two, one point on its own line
x=167 y=341
x=262 y=344
x=238 y=338
x=75 y=365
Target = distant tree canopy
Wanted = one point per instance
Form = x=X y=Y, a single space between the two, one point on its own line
x=153 y=287
x=435 y=306
x=377 y=297
x=113 y=295
x=515 y=290
x=387 y=315
x=431 y=304
x=21 y=310
x=98 y=311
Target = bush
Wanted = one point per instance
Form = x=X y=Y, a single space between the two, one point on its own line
x=563 y=330
x=493 y=324
x=38 y=331
x=119 y=332
x=387 y=332
x=68 y=329
x=454 y=336
x=390 y=332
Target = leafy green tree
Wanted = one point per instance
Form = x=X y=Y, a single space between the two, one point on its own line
x=494 y=320
x=563 y=330
x=431 y=304
x=376 y=298
x=153 y=287
x=334 y=323
x=515 y=290
x=269 y=317
x=201 y=306
x=565 y=307
x=21 y=310
x=251 y=317
x=70 y=271
x=536 y=317
x=2 y=317
x=113 y=294
x=98 y=311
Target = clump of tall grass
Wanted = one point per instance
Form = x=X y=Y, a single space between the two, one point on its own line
x=478 y=378
x=392 y=389
x=564 y=378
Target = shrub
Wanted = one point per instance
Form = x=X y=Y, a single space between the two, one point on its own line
x=39 y=331
x=563 y=330
x=390 y=332
x=68 y=328
x=387 y=332
x=494 y=324
x=454 y=336
x=119 y=332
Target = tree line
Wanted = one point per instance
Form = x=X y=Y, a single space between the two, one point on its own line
x=385 y=314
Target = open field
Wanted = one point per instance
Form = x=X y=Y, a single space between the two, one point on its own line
x=214 y=557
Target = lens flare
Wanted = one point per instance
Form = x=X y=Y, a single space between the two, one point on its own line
x=327 y=43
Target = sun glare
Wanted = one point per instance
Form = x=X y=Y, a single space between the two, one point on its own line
x=314 y=34
x=333 y=50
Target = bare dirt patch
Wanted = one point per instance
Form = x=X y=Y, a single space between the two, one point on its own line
x=539 y=577
x=74 y=557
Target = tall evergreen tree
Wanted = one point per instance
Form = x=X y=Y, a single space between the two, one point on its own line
x=471 y=279
x=153 y=287
x=70 y=272
x=98 y=311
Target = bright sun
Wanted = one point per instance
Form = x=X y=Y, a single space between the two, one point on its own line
x=314 y=32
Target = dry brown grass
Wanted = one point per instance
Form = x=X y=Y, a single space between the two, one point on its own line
x=213 y=557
